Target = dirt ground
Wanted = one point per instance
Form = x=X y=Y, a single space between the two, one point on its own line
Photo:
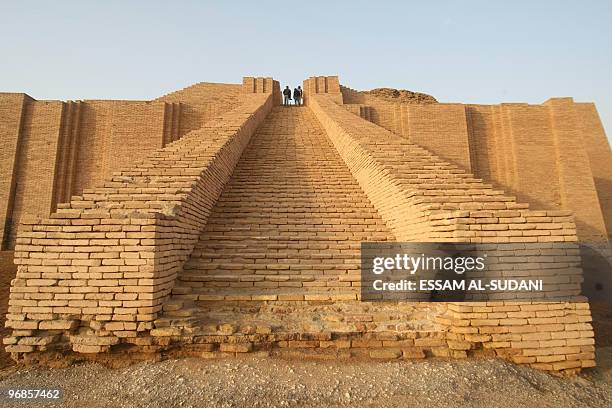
x=268 y=382
x=252 y=381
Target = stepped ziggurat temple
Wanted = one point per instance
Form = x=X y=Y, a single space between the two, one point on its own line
x=213 y=221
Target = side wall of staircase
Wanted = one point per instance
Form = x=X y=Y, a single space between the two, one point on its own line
x=425 y=199
x=97 y=271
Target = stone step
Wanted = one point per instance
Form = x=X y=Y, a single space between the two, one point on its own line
x=211 y=276
x=205 y=294
x=300 y=320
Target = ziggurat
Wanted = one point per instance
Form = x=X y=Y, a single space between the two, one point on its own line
x=213 y=221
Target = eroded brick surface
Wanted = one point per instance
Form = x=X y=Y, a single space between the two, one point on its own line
x=238 y=229
x=289 y=223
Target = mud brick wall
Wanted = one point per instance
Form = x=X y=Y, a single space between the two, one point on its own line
x=551 y=336
x=98 y=271
x=600 y=157
x=521 y=154
x=421 y=198
x=56 y=149
x=363 y=111
x=322 y=85
x=202 y=102
x=387 y=114
x=37 y=157
x=263 y=85
x=515 y=145
x=12 y=108
x=440 y=128
x=67 y=152
x=112 y=134
x=519 y=145
x=576 y=182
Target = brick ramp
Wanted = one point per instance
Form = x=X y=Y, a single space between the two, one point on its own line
x=277 y=264
x=279 y=248
x=288 y=225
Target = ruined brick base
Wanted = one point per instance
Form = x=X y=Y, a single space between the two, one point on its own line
x=338 y=330
x=243 y=236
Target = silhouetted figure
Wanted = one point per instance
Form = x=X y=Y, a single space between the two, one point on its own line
x=301 y=95
x=287 y=94
x=296 y=96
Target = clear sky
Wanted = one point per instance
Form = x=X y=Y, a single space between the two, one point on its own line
x=458 y=51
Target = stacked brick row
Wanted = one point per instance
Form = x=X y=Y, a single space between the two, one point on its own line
x=53 y=149
x=550 y=336
x=97 y=271
x=329 y=85
x=202 y=102
x=363 y=111
x=516 y=145
x=289 y=224
x=422 y=198
x=262 y=85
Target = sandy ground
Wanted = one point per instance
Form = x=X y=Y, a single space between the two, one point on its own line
x=267 y=382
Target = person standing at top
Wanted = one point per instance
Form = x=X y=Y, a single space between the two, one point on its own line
x=287 y=94
x=301 y=95
x=296 y=96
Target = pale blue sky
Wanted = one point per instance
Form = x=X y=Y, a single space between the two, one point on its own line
x=458 y=51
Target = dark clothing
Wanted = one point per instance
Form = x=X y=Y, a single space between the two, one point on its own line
x=287 y=94
x=297 y=96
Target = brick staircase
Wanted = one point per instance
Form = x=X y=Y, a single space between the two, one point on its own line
x=288 y=225
x=276 y=268
x=424 y=198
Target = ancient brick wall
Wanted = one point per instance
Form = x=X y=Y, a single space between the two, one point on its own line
x=65 y=147
x=263 y=85
x=520 y=145
x=363 y=111
x=203 y=101
x=322 y=85
x=441 y=128
x=113 y=134
x=423 y=199
x=390 y=115
x=600 y=157
x=58 y=149
x=546 y=336
x=100 y=269
x=414 y=189
x=515 y=146
x=11 y=116
x=68 y=150
x=37 y=160
x=576 y=179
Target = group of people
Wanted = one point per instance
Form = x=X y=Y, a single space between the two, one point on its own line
x=297 y=96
